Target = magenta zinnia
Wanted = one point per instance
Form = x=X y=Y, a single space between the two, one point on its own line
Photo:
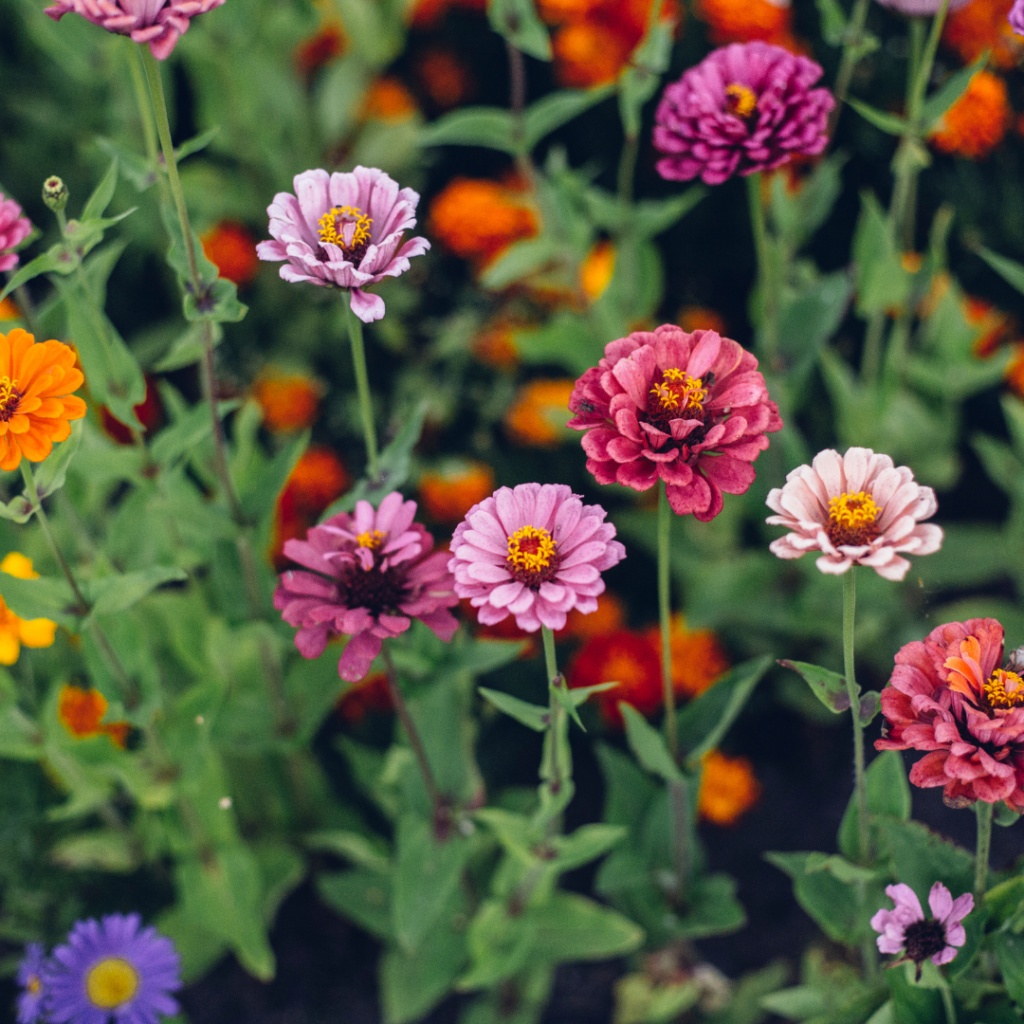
x=373 y=572
x=160 y=23
x=1016 y=17
x=950 y=695
x=14 y=229
x=690 y=409
x=746 y=107
x=534 y=551
x=344 y=230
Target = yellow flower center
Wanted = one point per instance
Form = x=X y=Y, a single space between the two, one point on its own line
x=111 y=983
x=740 y=100
x=34 y=985
x=371 y=539
x=852 y=519
x=1004 y=690
x=347 y=227
x=10 y=396
x=679 y=392
x=532 y=556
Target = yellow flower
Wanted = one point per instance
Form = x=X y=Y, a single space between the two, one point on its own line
x=15 y=631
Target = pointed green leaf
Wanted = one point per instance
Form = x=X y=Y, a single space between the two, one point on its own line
x=518 y=22
x=1009 y=270
x=892 y=124
x=533 y=716
x=828 y=686
x=103 y=193
x=949 y=92
x=490 y=127
x=555 y=109
x=648 y=745
x=44 y=264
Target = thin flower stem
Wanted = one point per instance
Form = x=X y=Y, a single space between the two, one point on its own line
x=765 y=273
x=665 y=617
x=854 y=37
x=27 y=308
x=947 y=1004
x=355 y=336
x=984 y=813
x=142 y=100
x=627 y=168
x=849 y=615
x=551 y=766
x=517 y=107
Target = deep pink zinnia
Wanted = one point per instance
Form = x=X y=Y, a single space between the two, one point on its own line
x=373 y=571
x=161 y=23
x=14 y=229
x=948 y=695
x=688 y=408
x=746 y=107
x=1016 y=17
x=344 y=230
x=534 y=551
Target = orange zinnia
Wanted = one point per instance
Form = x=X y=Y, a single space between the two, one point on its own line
x=623 y=657
x=728 y=788
x=496 y=344
x=81 y=713
x=982 y=25
x=742 y=21
x=977 y=122
x=9 y=309
x=698 y=658
x=449 y=493
x=290 y=401
x=389 y=100
x=540 y=412
x=700 y=318
x=36 y=403
x=231 y=247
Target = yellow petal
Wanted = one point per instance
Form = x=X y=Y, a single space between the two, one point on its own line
x=10 y=647
x=37 y=632
x=17 y=564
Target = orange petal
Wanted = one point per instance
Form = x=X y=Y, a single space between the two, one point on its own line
x=74 y=407
x=19 y=424
x=35 y=446
x=11 y=458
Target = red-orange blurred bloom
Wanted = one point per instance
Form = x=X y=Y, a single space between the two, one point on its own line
x=698 y=658
x=609 y=618
x=449 y=493
x=728 y=788
x=232 y=248
x=623 y=657
x=443 y=77
x=427 y=13
x=982 y=25
x=388 y=99
x=495 y=345
x=538 y=416
x=81 y=713
x=320 y=49
x=994 y=326
x=741 y=21
x=701 y=318
x=369 y=696
x=150 y=413
x=977 y=122
x=9 y=309
x=290 y=401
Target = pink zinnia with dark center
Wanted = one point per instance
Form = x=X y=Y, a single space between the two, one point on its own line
x=160 y=23
x=950 y=695
x=373 y=572
x=534 y=551
x=345 y=231
x=14 y=229
x=690 y=409
x=746 y=107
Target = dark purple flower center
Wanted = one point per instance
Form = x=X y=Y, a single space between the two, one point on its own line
x=924 y=939
x=380 y=593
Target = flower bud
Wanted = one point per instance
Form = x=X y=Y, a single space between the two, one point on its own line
x=55 y=193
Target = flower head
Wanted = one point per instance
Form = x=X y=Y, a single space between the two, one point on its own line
x=14 y=229
x=745 y=108
x=32 y=1000
x=389 y=100
x=690 y=409
x=698 y=658
x=450 y=492
x=728 y=788
x=856 y=509
x=81 y=713
x=741 y=21
x=373 y=572
x=1016 y=17
x=444 y=77
x=983 y=25
x=623 y=657
x=346 y=231
x=160 y=23
x=231 y=247
x=950 y=695
x=538 y=415
x=905 y=928
x=290 y=401
x=111 y=970
x=534 y=551
x=321 y=48
x=920 y=8
x=976 y=123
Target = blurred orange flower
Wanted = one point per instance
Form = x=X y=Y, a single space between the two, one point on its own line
x=994 y=325
x=977 y=122
x=150 y=413
x=700 y=318
x=609 y=618
x=443 y=77
x=15 y=631
x=742 y=21
x=449 y=493
x=496 y=345
x=1014 y=375
x=389 y=100
x=623 y=657
x=369 y=696
x=728 y=788
x=538 y=416
x=81 y=713
x=9 y=309
x=597 y=269
x=320 y=49
x=698 y=658
x=290 y=401
x=982 y=25
x=231 y=247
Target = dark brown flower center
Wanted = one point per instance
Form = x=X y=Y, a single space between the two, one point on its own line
x=10 y=397
x=853 y=519
x=924 y=939
x=532 y=556
x=379 y=592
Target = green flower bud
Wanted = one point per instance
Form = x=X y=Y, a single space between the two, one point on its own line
x=55 y=193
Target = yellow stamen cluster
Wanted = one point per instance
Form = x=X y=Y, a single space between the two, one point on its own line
x=741 y=100
x=339 y=216
x=1004 y=690
x=678 y=391
x=111 y=983
x=371 y=539
x=852 y=518
x=530 y=548
x=9 y=394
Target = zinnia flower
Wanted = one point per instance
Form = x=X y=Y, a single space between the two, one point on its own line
x=534 y=551
x=977 y=122
x=389 y=100
x=321 y=48
x=36 y=381
x=623 y=657
x=373 y=572
x=290 y=401
x=15 y=631
x=906 y=928
x=690 y=409
x=745 y=108
x=698 y=658
x=538 y=415
x=14 y=229
x=443 y=77
x=728 y=788
x=856 y=509
x=110 y=970
x=450 y=492
x=231 y=247
x=741 y=21
x=1016 y=17
x=983 y=25
x=948 y=695
x=920 y=8
x=157 y=22
x=317 y=479
x=81 y=713
x=31 y=1001
x=344 y=230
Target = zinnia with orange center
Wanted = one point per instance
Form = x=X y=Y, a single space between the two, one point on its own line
x=36 y=401
x=977 y=122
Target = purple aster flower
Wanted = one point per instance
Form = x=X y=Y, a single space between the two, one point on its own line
x=110 y=970
x=30 y=978
x=905 y=928
x=1017 y=17
x=14 y=229
x=161 y=23
x=344 y=230
x=373 y=572
x=746 y=107
x=534 y=551
x=920 y=8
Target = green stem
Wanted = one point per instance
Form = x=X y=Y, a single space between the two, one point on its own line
x=947 y=1004
x=553 y=760
x=849 y=614
x=854 y=36
x=768 y=335
x=627 y=168
x=145 y=112
x=355 y=335
x=984 y=812
x=665 y=616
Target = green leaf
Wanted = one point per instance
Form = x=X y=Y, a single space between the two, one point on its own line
x=869 y=705
x=1009 y=270
x=828 y=686
x=533 y=716
x=912 y=1003
x=639 y=82
x=490 y=127
x=183 y=436
x=42 y=598
x=882 y=283
x=218 y=304
x=521 y=260
x=52 y=471
x=44 y=264
x=259 y=493
x=587 y=843
x=362 y=850
x=518 y=22
x=98 y=850
x=103 y=193
x=809 y=318
x=949 y=92
x=362 y=896
x=648 y=745
x=1010 y=952
x=581 y=694
x=187 y=348
x=920 y=858
x=833 y=21
x=570 y=927
x=555 y=109
x=892 y=124
x=651 y=217
x=116 y=593
x=797 y=216
x=564 y=697
x=196 y=143
x=1003 y=900
x=888 y=795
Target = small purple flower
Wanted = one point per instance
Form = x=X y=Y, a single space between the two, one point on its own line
x=109 y=970
x=906 y=928
x=14 y=229
x=30 y=978
x=373 y=572
x=1017 y=17
x=161 y=23
x=746 y=107
x=534 y=551
x=344 y=230
x=920 y=8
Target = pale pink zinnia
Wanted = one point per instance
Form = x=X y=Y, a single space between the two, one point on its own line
x=346 y=231
x=906 y=929
x=746 y=107
x=14 y=229
x=690 y=409
x=856 y=509
x=949 y=695
x=160 y=23
x=1016 y=17
x=373 y=572
x=920 y=8
x=534 y=551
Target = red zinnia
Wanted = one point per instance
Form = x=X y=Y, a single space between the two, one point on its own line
x=623 y=657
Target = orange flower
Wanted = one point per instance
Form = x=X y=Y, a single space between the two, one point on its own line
x=290 y=401
x=741 y=21
x=36 y=404
x=597 y=269
x=1014 y=374
x=232 y=248
x=994 y=326
x=9 y=309
x=609 y=618
x=623 y=657
x=320 y=49
x=369 y=696
x=81 y=713
x=728 y=788
x=389 y=100
x=150 y=413
x=977 y=122
x=698 y=658
x=982 y=25
x=449 y=493
x=537 y=418
x=478 y=219
x=15 y=631
x=496 y=345
x=443 y=77
x=700 y=318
